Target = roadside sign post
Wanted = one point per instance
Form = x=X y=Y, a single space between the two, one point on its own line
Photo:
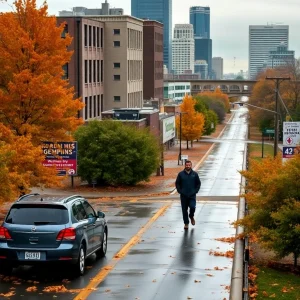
x=291 y=139
x=266 y=132
x=62 y=155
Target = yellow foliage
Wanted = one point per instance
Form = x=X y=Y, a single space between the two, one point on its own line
x=192 y=121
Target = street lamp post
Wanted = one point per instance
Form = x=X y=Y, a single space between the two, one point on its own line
x=180 y=131
x=277 y=81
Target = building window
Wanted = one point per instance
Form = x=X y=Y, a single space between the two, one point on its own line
x=117 y=98
x=86 y=108
x=85 y=71
x=117 y=65
x=117 y=77
x=98 y=71
x=65 y=31
x=66 y=71
x=94 y=36
x=90 y=36
x=97 y=37
x=94 y=71
x=117 y=44
x=90 y=106
x=85 y=36
x=101 y=77
x=117 y=31
x=101 y=40
x=90 y=71
x=95 y=106
x=102 y=104
x=98 y=105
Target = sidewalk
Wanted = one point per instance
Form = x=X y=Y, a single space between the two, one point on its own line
x=156 y=186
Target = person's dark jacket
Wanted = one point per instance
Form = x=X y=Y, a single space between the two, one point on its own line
x=188 y=184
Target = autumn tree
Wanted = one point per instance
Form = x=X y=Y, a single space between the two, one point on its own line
x=263 y=95
x=192 y=122
x=210 y=117
x=36 y=104
x=273 y=197
x=117 y=154
x=217 y=102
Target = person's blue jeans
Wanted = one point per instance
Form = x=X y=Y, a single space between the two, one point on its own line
x=188 y=202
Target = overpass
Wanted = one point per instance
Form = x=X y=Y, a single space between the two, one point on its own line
x=233 y=88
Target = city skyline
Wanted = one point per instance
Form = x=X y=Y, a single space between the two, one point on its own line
x=229 y=22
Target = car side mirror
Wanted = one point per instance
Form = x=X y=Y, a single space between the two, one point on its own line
x=101 y=214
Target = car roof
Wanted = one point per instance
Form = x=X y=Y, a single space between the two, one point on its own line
x=46 y=199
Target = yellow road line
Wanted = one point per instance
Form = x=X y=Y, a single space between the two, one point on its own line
x=122 y=253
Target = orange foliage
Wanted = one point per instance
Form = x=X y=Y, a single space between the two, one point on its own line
x=34 y=99
x=36 y=104
x=192 y=121
x=218 y=94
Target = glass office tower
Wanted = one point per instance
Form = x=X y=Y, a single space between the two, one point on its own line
x=262 y=40
x=200 y=19
x=161 y=11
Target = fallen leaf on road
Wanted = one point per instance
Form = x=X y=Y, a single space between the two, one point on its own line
x=7 y=295
x=31 y=289
x=59 y=289
x=154 y=280
x=209 y=275
x=226 y=239
x=197 y=281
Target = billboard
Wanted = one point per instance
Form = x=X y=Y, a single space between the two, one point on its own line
x=168 y=129
x=291 y=138
x=62 y=155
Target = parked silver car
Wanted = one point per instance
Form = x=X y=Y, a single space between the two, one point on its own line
x=43 y=228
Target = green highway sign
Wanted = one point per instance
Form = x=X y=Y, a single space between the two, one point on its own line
x=269 y=131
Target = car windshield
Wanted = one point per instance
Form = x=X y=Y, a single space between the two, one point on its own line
x=25 y=214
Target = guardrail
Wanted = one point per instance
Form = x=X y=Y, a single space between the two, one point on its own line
x=239 y=275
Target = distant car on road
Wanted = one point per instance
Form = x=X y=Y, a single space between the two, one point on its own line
x=43 y=228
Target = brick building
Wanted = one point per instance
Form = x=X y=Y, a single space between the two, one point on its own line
x=153 y=81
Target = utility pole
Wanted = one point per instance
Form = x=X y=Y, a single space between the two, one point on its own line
x=277 y=81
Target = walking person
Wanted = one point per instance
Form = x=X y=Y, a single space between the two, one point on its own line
x=188 y=185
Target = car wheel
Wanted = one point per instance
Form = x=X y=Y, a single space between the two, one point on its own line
x=102 y=250
x=80 y=264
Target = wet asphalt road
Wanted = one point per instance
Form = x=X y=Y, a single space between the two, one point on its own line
x=166 y=262
x=219 y=173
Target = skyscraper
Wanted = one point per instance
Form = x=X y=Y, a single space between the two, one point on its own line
x=203 y=51
x=262 y=40
x=217 y=67
x=200 y=18
x=161 y=11
x=183 y=48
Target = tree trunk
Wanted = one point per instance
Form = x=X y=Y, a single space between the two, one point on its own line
x=187 y=144
x=295 y=259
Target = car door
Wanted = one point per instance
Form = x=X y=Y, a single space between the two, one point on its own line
x=88 y=226
x=97 y=223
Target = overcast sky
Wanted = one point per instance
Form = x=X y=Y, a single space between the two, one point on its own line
x=229 y=22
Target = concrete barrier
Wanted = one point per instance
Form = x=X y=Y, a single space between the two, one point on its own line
x=237 y=274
